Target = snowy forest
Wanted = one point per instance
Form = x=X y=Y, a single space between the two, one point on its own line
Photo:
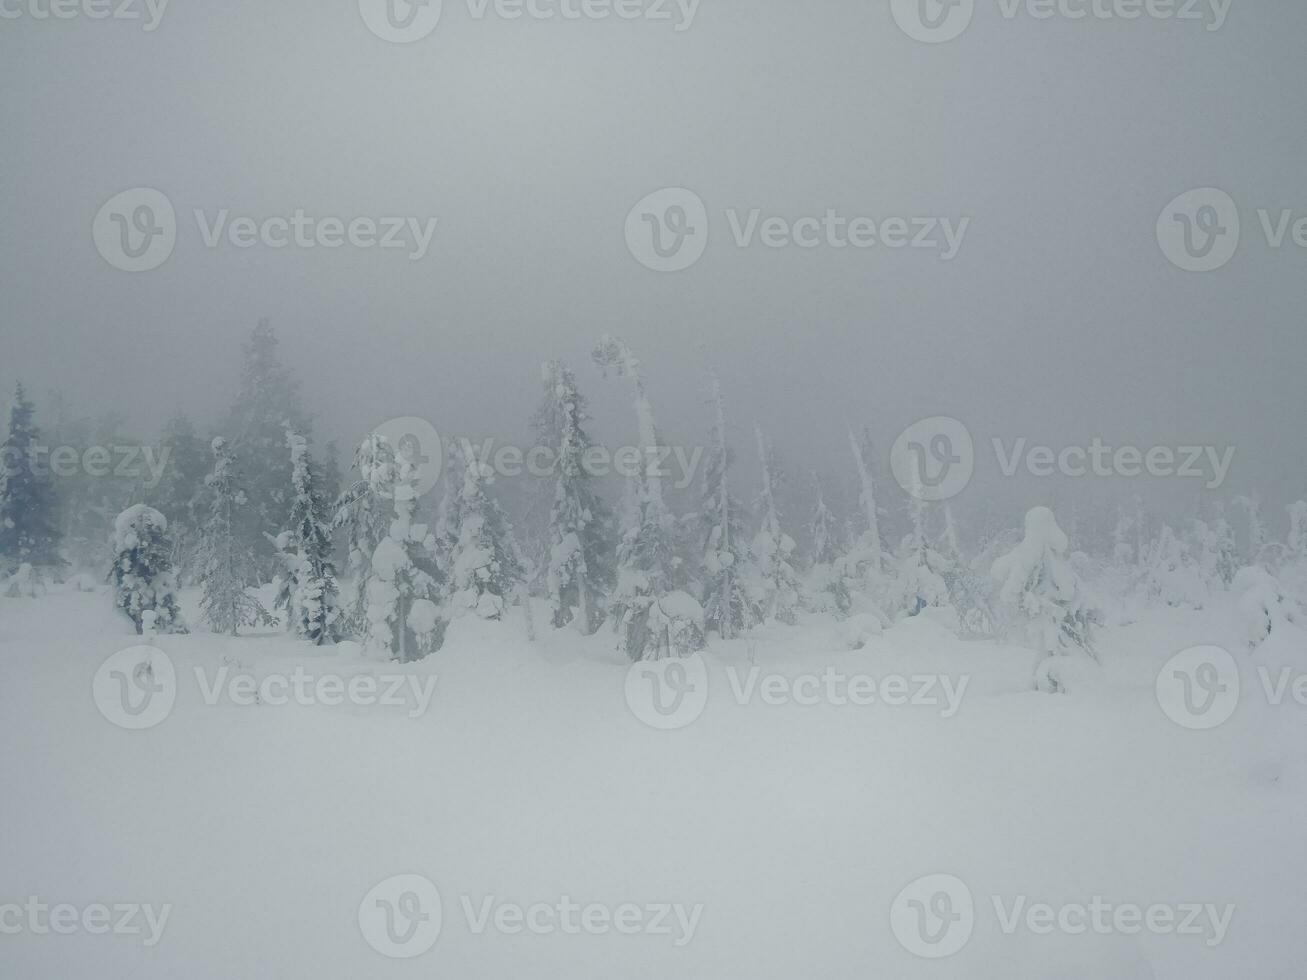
x=359 y=554
x=712 y=489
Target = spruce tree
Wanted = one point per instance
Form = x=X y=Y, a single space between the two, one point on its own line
x=28 y=531
x=223 y=560
x=581 y=552
x=728 y=607
x=308 y=585
x=268 y=401
x=773 y=549
x=179 y=495
x=485 y=564
x=405 y=621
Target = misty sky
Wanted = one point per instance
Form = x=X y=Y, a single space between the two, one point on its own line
x=1059 y=319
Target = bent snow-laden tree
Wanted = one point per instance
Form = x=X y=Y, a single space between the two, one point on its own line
x=653 y=619
x=307 y=589
x=224 y=560
x=142 y=572
x=580 y=574
x=1040 y=587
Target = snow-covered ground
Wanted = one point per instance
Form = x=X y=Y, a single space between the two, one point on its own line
x=779 y=834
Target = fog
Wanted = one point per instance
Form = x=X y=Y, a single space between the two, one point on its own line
x=1059 y=319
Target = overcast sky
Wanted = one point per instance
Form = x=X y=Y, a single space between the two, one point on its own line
x=1060 y=318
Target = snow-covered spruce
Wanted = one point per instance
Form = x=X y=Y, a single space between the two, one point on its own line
x=307 y=586
x=485 y=566
x=1172 y=576
x=918 y=581
x=404 y=618
x=727 y=566
x=827 y=589
x=1038 y=585
x=580 y=574
x=142 y=574
x=364 y=518
x=223 y=559
x=653 y=619
x=28 y=532
x=772 y=549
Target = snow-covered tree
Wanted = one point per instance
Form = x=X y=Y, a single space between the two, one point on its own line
x=486 y=567
x=307 y=587
x=1172 y=576
x=827 y=588
x=653 y=619
x=1123 y=541
x=364 y=519
x=223 y=559
x=268 y=401
x=1252 y=508
x=728 y=607
x=919 y=580
x=1037 y=583
x=28 y=533
x=1297 y=541
x=1263 y=604
x=405 y=619
x=581 y=547
x=179 y=494
x=772 y=549
x=142 y=572
x=867 y=555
